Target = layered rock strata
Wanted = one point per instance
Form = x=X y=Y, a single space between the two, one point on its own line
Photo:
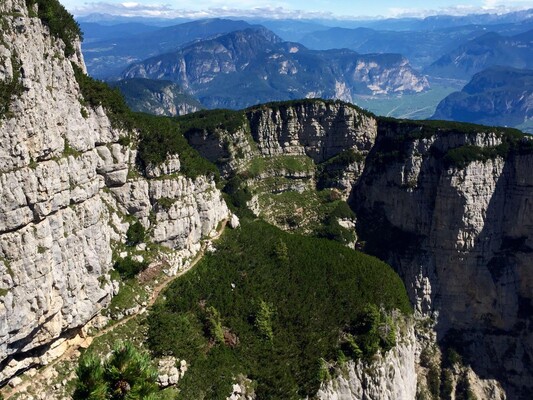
x=460 y=235
x=65 y=184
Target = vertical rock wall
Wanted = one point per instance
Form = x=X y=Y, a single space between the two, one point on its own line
x=58 y=158
x=461 y=238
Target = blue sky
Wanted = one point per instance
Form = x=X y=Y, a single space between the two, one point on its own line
x=292 y=8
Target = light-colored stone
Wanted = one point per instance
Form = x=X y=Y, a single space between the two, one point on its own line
x=57 y=222
x=391 y=376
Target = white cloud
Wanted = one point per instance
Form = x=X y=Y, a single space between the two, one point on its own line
x=489 y=6
x=133 y=9
x=278 y=10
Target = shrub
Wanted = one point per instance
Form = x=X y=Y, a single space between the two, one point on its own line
x=127 y=374
x=11 y=88
x=263 y=320
x=128 y=268
x=135 y=234
x=179 y=334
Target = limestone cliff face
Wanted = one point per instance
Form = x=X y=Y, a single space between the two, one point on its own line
x=460 y=237
x=57 y=217
x=318 y=129
x=390 y=376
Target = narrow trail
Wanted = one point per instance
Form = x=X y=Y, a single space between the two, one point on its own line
x=87 y=340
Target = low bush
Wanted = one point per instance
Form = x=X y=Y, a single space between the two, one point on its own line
x=128 y=267
x=127 y=374
x=10 y=88
x=135 y=234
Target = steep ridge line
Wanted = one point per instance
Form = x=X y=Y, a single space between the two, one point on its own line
x=87 y=340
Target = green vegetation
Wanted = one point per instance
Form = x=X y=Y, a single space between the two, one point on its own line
x=135 y=234
x=127 y=374
x=460 y=157
x=277 y=164
x=396 y=147
x=159 y=137
x=212 y=120
x=10 y=88
x=96 y=93
x=61 y=23
x=263 y=318
x=128 y=267
x=224 y=309
x=330 y=171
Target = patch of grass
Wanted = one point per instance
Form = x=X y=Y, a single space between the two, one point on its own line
x=307 y=325
x=130 y=295
x=70 y=151
x=287 y=164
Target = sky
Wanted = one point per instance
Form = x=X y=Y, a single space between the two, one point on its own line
x=307 y=9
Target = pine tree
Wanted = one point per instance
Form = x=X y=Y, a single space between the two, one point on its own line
x=127 y=374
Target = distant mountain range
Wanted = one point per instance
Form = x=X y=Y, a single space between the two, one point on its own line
x=254 y=65
x=238 y=63
x=421 y=47
x=500 y=96
x=106 y=59
x=483 y=52
x=156 y=97
x=396 y=24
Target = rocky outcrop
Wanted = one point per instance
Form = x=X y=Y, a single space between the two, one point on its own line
x=457 y=226
x=318 y=129
x=157 y=97
x=335 y=134
x=64 y=182
x=390 y=376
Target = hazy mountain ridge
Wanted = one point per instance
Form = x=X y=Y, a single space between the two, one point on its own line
x=488 y=50
x=108 y=58
x=421 y=47
x=247 y=67
x=497 y=96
